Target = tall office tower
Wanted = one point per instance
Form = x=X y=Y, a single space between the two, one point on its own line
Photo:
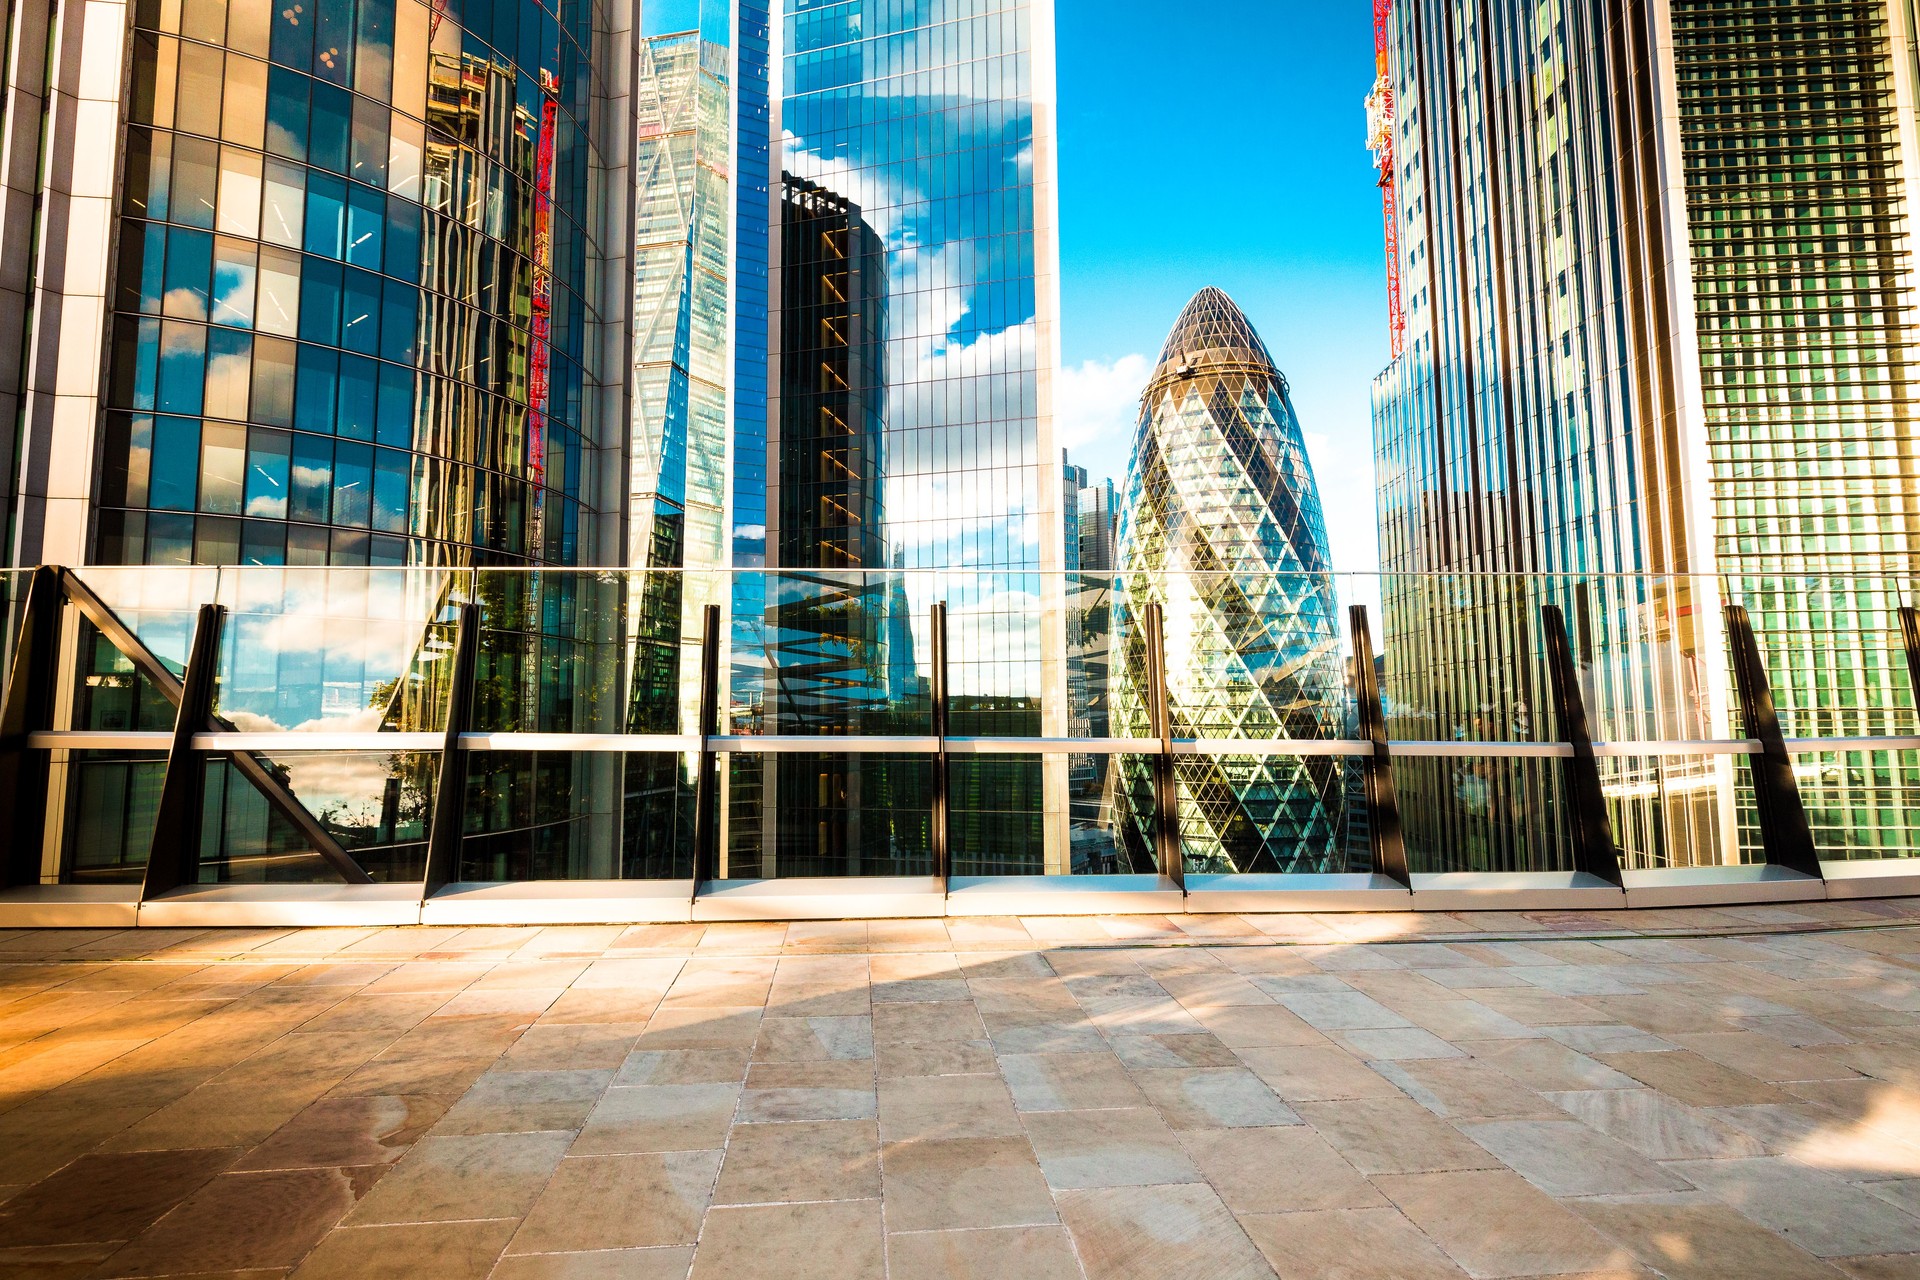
x=1095 y=532
x=1659 y=320
x=1222 y=528
x=312 y=284
x=932 y=123
x=699 y=381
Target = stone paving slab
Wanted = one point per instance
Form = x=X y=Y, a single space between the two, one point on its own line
x=1703 y=1093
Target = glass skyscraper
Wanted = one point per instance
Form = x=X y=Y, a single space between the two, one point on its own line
x=910 y=424
x=1221 y=526
x=1656 y=266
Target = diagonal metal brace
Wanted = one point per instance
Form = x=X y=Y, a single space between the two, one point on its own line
x=250 y=767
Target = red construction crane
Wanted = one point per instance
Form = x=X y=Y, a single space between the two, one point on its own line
x=1380 y=142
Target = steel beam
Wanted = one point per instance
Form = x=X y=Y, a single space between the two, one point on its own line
x=1166 y=793
x=173 y=860
x=1383 y=803
x=1594 y=851
x=1910 y=641
x=263 y=779
x=448 y=833
x=941 y=815
x=1784 y=831
x=26 y=772
x=706 y=786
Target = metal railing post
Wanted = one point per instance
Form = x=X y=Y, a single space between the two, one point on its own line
x=706 y=786
x=1594 y=851
x=1383 y=802
x=173 y=860
x=449 y=830
x=941 y=811
x=1910 y=640
x=26 y=773
x=1784 y=831
x=1166 y=795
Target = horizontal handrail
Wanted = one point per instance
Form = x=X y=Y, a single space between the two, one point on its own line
x=284 y=742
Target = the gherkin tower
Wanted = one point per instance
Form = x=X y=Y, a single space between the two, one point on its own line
x=1222 y=526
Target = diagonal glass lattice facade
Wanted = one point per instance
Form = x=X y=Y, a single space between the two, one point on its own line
x=1221 y=526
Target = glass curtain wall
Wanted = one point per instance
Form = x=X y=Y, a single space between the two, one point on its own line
x=911 y=434
x=1802 y=240
x=351 y=328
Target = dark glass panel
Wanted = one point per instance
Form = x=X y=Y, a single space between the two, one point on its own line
x=176 y=463
x=313 y=406
x=312 y=473
x=289 y=106
x=268 y=456
x=358 y=399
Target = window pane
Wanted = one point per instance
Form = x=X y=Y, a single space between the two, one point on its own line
x=313 y=404
x=410 y=59
x=399 y=320
x=189 y=270
x=183 y=358
x=244 y=116
x=369 y=160
x=360 y=313
x=333 y=41
x=312 y=480
x=229 y=371
x=273 y=380
x=239 y=192
x=366 y=225
x=373 y=50
x=396 y=406
x=289 y=104
x=268 y=454
x=390 y=490
x=327 y=135
x=285 y=218
x=320 y=301
x=278 y=310
x=403 y=156
x=263 y=542
x=403 y=240
x=353 y=484
x=249 y=26
x=223 y=466
x=357 y=407
x=156 y=66
x=235 y=274
x=292 y=41
x=149 y=165
x=143 y=255
x=176 y=463
x=198 y=108
x=204 y=20
x=216 y=541
x=196 y=169
x=326 y=214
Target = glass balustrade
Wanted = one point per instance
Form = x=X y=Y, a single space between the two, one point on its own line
x=738 y=727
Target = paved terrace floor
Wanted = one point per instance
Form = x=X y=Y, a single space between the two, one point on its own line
x=1725 y=1093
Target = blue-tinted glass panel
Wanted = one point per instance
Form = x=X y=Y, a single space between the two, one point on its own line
x=314 y=398
x=176 y=463
x=357 y=407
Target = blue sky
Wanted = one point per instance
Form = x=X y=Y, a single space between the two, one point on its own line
x=1222 y=142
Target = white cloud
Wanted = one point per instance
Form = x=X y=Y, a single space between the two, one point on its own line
x=1095 y=408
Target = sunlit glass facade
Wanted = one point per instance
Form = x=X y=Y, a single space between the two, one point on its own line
x=1610 y=372
x=350 y=309
x=910 y=424
x=1221 y=526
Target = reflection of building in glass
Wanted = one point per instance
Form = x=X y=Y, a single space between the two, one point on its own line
x=694 y=243
x=832 y=635
x=1222 y=527
x=1088 y=509
x=934 y=121
x=1692 y=354
x=348 y=323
